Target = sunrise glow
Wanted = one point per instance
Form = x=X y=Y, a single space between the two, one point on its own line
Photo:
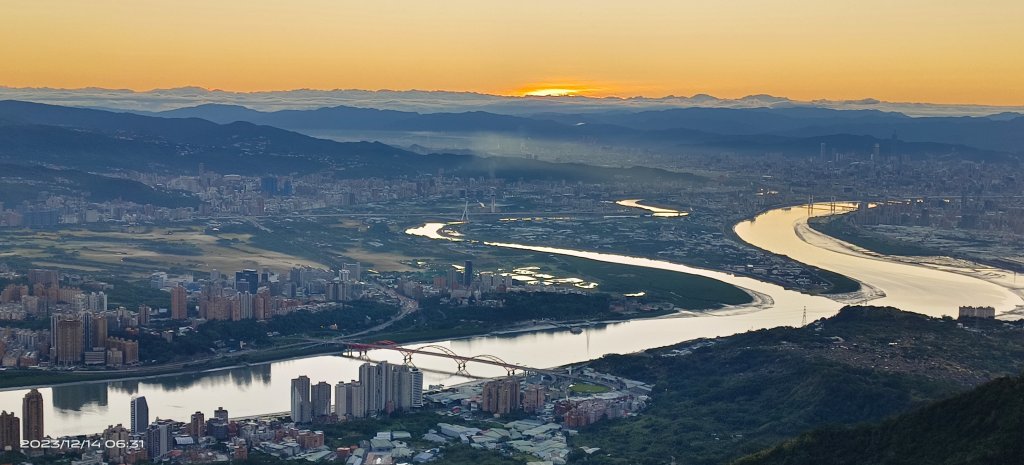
x=919 y=50
x=551 y=92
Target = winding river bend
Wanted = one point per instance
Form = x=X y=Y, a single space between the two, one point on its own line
x=253 y=390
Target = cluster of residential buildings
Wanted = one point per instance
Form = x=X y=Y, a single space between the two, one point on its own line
x=84 y=330
x=382 y=388
x=252 y=294
x=80 y=325
x=545 y=421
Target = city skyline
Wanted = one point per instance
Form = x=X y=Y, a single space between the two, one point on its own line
x=913 y=51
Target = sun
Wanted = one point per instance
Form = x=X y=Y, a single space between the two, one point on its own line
x=552 y=92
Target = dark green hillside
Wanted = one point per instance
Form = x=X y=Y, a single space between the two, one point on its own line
x=981 y=427
x=19 y=183
x=721 y=399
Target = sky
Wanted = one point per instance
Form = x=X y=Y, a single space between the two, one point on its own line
x=907 y=50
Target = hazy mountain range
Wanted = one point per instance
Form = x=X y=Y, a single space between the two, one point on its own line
x=235 y=139
x=768 y=129
x=440 y=101
x=104 y=141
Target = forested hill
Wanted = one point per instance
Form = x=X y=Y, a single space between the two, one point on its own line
x=984 y=426
x=717 y=400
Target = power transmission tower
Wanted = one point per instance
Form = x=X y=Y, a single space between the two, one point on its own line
x=803 y=322
x=465 y=213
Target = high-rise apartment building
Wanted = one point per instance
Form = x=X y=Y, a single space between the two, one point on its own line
x=68 y=340
x=387 y=388
x=197 y=425
x=501 y=396
x=140 y=415
x=302 y=408
x=159 y=439
x=119 y=436
x=97 y=334
x=245 y=305
x=44 y=277
x=251 y=279
x=349 y=400
x=179 y=303
x=32 y=416
x=533 y=398
x=467 y=274
x=321 y=401
x=10 y=432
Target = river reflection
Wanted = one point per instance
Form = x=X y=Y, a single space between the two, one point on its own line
x=79 y=397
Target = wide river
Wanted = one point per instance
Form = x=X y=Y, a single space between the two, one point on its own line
x=252 y=390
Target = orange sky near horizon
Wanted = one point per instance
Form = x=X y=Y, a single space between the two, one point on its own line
x=911 y=50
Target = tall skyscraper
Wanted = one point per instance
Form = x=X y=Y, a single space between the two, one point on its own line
x=349 y=400
x=120 y=435
x=373 y=384
x=97 y=301
x=158 y=439
x=467 y=277
x=321 y=400
x=342 y=400
x=245 y=305
x=197 y=425
x=10 y=432
x=251 y=278
x=262 y=304
x=268 y=186
x=357 y=401
x=179 y=303
x=355 y=271
x=68 y=340
x=32 y=416
x=145 y=312
x=97 y=336
x=221 y=413
x=416 y=388
x=140 y=415
x=301 y=404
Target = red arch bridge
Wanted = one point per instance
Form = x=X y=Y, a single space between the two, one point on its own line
x=433 y=350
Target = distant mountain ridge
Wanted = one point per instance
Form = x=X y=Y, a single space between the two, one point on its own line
x=766 y=129
x=97 y=140
x=435 y=101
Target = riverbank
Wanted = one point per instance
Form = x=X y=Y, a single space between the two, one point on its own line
x=929 y=290
x=28 y=379
x=842 y=288
x=857 y=245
